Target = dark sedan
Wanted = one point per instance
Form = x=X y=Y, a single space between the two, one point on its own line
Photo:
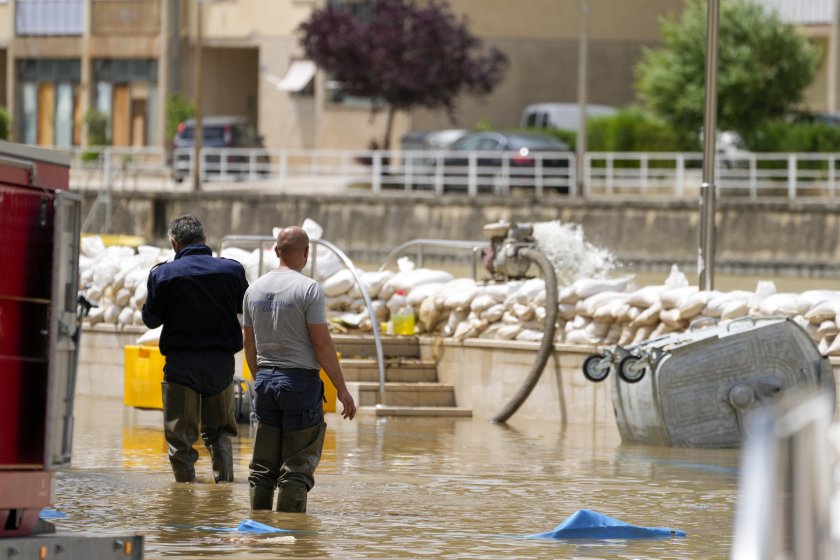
x=508 y=159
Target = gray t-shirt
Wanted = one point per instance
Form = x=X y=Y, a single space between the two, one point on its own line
x=278 y=306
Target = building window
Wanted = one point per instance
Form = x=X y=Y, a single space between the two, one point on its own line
x=49 y=17
x=49 y=112
x=126 y=92
x=360 y=8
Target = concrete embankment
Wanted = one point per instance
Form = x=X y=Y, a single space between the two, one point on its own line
x=757 y=237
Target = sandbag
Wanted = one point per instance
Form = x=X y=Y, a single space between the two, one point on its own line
x=339 y=283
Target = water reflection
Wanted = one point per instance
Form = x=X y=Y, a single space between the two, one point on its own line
x=404 y=488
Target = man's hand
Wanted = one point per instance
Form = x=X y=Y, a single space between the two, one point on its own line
x=346 y=399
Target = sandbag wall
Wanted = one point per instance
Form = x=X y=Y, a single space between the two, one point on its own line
x=591 y=311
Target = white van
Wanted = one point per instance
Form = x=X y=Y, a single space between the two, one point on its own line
x=560 y=115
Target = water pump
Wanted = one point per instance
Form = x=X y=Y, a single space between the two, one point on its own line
x=505 y=259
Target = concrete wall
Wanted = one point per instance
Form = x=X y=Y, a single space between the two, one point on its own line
x=756 y=237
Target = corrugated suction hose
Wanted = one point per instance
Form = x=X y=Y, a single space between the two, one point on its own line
x=547 y=344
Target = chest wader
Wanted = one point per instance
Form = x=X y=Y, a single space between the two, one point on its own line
x=288 y=461
x=185 y=412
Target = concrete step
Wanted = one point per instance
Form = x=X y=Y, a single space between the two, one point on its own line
x=426 y=411
x=406 y=370
x=363 y=346
x=366 y=393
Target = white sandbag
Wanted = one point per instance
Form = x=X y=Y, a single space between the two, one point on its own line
x=96 y=315
x=112 y=313
x=529 y=290
x=539 y=314
x=827 y=328
x=373 y=282
x=430 y=313
x=613 y=334
x=500 y=292
x=493 y=313
x=610 y=311
x=735 y=309
x=597 y=329
x=588 y=287
x=93 y=294
x=252 y=266
x=461 y=296
x=811 y=298
x=455 y=317
x=566 y=311
x=786 y=304
x=833 y=348
x=581 y=337
x=508 y=318
x=642 y=334
x=627 y=334
x=628 y=313
x=823 y=344
x=676 y=278
x=122 y=297
x=828 y=309
x=104 y=272
x=645 y=297
x=508 y=332
x=716 y=305
x=673 y=298
x=358 y=305
x=528 y=335
x=763 y=289
x=411 y=279
x=522 y=311
x=567 y=295
x=150 y=337
x=590 y=305
x=694 y=304
x=539 y=299
x=648 y=317
x=233 y=253
x=126 y=316
x=469 y=329
x=339 y=283
x=92 y=246
x=491 y=331
x=417 y=295
x=482 y=302
x=339 y=303
x=141 y=292
x=137 y=276
x=138 y=317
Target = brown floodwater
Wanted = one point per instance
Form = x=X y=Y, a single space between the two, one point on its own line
x=403 y=488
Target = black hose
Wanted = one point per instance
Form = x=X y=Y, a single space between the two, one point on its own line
x=547 y=344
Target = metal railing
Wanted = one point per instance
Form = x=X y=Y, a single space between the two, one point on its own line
x=476 y=248
x=605 y=174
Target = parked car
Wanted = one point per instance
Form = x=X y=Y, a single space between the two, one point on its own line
x=218 y=132
x=520 y=151
x=431 y=139
x=565 y=116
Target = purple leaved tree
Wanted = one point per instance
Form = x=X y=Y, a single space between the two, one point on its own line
x=401 y=55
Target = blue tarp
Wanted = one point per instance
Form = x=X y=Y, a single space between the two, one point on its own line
x=588 y=524
x=48 y=513
x=247 y=526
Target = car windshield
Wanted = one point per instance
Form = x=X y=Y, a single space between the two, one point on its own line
x=535 y=142
x=209 y=133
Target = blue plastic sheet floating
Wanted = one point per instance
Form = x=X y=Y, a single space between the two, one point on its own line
x=588 y=524
x=248 y=526
x=48 y=513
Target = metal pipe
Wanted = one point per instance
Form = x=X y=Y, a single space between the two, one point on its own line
x=583 y=62
x=705 y=263
x=400 y=249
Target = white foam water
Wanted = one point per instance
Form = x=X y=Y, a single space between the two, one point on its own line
x=571 y=254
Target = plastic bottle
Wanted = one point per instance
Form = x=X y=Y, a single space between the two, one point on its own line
x=402 y=314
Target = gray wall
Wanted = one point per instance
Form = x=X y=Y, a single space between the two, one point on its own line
x=752 y=237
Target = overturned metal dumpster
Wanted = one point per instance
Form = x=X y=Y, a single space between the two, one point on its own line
x=694 y=389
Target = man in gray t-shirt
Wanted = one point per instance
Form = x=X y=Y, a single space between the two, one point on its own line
x=287 y=341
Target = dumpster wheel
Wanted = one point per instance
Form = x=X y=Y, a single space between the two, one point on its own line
x=629 y=369
x=594 y=368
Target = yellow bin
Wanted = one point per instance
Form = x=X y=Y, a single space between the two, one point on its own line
x=330 y=392
x=143 y=376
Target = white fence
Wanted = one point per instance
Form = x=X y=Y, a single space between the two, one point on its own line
x=538 y=174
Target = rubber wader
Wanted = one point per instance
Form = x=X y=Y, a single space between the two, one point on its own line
x=218 y=425
x=301 y=454
x=180 y=427
x=265 y=465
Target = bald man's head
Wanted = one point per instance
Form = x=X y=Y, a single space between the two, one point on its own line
x=293 y=247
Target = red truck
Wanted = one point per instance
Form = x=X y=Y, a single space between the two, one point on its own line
x=40 y=326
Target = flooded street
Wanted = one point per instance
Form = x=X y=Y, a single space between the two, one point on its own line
x=403 y=488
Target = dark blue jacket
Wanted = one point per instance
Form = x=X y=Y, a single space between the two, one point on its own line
x=196 y=298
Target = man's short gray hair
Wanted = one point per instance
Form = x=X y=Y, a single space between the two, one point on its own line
x=186 y=230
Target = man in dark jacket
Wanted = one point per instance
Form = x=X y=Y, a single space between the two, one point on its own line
x=196 y=298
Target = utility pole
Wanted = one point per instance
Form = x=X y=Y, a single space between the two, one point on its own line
x=198 y=132
x=708 y=191
x=583 y=57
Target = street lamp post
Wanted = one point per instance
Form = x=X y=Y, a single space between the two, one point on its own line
x=583 y=56
x=198 y=132
x=708 y=194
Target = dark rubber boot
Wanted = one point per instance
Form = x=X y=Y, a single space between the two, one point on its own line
x=180 y=428
x=218 y=425
x=301 y=455
x=265 y=465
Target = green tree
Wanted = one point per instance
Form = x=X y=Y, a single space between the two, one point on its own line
x=763 y=67
x=178 y=109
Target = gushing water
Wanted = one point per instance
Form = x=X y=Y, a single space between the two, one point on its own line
x=573 y=256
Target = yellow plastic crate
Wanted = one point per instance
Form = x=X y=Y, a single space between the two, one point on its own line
x=330 y=392
x=143 y=376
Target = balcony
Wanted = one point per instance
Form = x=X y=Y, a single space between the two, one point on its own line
x=125 y=17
